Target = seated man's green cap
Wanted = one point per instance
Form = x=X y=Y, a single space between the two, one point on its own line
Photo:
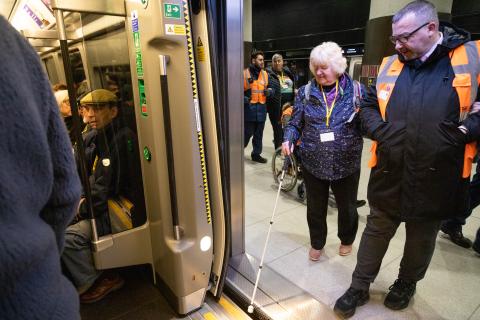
x=99 y=96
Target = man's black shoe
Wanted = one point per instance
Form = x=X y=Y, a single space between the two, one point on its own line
x=476 y=247
x=347 y=304
x=360 y=203
x=458 y=238
x=258 y=158
x=401 y=292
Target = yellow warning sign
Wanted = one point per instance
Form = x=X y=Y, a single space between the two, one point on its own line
x=175 y=29
x=200 y=50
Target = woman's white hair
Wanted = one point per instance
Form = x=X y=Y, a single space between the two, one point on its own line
x=328 y=53
x=61 y=96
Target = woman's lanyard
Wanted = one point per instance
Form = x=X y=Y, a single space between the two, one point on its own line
x=330 y=109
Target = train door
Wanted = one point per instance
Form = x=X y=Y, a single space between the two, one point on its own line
x=151 y=62
x=355 y=67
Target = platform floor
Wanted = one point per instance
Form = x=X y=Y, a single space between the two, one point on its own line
x=450 y=289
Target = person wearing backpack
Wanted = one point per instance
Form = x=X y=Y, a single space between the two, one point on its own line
x=325 y=120
x=282 y=82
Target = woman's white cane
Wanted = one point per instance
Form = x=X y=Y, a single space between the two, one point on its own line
x=286 y=163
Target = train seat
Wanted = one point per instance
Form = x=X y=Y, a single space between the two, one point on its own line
x=120 y=210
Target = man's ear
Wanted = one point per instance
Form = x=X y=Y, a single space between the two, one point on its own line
x=114 y=111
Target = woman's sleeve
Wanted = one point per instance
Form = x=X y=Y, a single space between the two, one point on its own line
x=293 y=130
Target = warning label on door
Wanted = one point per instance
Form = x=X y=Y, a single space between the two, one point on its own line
x=200 y=50
x=175 y=29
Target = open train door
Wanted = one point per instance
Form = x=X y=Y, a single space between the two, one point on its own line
x=183 y=231
x=173 y=90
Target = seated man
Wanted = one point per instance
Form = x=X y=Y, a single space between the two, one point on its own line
x=110 y=148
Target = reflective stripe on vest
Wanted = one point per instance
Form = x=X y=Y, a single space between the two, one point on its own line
x=465 y=61
x=257 y=87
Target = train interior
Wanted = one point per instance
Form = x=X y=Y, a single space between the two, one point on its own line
x=188 y=224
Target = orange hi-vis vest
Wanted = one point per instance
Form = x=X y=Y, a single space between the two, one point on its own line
x=465 y=61
x=257 y=86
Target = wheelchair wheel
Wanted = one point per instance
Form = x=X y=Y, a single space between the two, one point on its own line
x=290 y=178
x=302 y=191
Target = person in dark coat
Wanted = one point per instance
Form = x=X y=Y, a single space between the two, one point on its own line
x=39 y=188
x=452 y=228
x=324 y=119
x=283 y=85
x=110 y=149
x=476 y=243
x=419 y=173
x=256 y=89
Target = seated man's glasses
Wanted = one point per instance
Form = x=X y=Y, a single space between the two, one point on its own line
x=403 y=38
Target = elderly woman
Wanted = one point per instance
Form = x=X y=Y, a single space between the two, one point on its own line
x=324 y=120
x=66 y=111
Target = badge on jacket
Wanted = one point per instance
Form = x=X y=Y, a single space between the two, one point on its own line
x=106 y=162
x=383 y=94
x=327 y=136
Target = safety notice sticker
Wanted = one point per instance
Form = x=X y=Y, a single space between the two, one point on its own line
x=200 y=50
x=175 y=29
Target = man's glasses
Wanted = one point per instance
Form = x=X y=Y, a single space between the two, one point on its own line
x=403 y=38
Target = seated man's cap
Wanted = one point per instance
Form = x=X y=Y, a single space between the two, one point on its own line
x=99 y=96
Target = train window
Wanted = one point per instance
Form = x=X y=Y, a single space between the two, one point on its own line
x=111 y=145
x=51 y=70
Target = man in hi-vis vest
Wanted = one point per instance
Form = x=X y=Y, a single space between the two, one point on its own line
x=423 y=117
x=256 y=89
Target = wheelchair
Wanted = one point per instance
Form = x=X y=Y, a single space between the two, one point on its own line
x=292 y=175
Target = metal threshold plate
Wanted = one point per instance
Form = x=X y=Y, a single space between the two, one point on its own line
x=277 y=298
x=224 y=309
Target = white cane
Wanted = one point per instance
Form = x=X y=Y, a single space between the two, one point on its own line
x=286 y=163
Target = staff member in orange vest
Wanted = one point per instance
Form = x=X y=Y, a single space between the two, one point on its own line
x=256 y=89
x=420 y=114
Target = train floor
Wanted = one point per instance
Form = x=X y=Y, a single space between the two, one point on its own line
x=450 y=287
x=139 y=299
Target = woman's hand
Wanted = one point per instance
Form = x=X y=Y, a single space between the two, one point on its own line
x=287 y=148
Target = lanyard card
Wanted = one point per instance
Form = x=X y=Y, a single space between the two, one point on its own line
x=327 y=136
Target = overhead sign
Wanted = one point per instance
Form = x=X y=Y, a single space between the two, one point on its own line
x=171 y=10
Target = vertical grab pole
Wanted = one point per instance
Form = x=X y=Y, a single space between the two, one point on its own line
x=169 y=145
x=76 y=119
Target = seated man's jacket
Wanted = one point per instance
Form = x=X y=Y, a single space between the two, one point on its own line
x=111 y=159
